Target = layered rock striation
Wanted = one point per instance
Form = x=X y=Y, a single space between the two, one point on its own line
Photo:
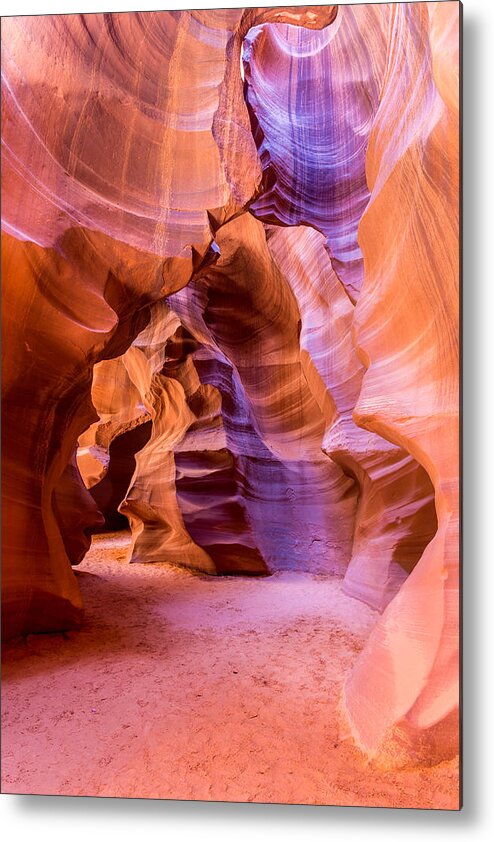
x=230 y=315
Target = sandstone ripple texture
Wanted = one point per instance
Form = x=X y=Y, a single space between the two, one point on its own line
x=230 y=279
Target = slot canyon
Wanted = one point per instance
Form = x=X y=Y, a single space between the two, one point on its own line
x=230 y=494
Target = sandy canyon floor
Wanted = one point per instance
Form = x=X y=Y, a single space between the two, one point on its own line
x=190 y=687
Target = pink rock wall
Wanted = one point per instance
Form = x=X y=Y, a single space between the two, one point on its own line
x=410 y=392
x=240 y=228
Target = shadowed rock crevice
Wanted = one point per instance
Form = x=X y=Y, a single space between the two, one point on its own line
x=110 y=491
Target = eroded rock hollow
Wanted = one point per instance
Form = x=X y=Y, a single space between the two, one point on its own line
x=230 y=318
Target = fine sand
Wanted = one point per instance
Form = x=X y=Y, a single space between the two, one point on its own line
x=190 y=687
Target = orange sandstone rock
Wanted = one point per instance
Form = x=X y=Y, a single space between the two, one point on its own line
x=236 y=233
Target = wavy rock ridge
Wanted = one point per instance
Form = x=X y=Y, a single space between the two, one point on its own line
x=230 y=314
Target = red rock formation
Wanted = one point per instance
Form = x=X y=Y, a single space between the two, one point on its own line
x=409 y=113
x=326 y=89
x=395 y=519
x=410 y=390
x=284 y=425
x=96 y=112
x=292 y=192
x=150 y=503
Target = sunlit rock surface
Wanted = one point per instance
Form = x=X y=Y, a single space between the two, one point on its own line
x=230 y=294
x=410 y=393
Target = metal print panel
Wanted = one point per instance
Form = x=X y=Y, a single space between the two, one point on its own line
x=230 y=404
